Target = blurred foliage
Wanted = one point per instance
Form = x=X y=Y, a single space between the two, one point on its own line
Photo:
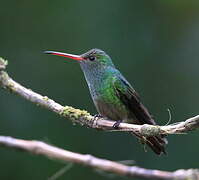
x=155 y=45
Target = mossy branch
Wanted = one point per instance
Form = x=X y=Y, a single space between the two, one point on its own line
x=84 y=118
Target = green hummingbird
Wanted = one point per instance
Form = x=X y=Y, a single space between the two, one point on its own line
x=112 y=94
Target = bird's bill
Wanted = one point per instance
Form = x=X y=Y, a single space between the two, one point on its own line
x=71 y=56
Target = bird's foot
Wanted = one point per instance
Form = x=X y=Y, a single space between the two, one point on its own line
x=117 y=124
x=98 y=116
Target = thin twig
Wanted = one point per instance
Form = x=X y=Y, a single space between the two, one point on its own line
x=52 y=152
x=84 y=118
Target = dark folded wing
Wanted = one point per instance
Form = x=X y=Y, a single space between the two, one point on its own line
x=131 y=100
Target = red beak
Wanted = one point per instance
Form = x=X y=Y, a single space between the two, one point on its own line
x=71 y=56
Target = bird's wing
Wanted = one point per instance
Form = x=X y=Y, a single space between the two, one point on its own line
x=131 y=100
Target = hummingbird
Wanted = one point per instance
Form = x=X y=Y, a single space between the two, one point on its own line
x=113 y=96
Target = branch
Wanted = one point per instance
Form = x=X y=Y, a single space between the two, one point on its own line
x=52 y=152
x=84 y=118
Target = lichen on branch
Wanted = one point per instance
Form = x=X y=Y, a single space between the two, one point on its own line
x=3 y=63
x=81 y=117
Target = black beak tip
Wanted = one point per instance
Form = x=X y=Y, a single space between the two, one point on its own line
x=47 y=52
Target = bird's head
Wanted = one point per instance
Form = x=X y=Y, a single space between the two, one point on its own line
x=94 y=57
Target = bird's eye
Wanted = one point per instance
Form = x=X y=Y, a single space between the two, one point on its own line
x=91 y=58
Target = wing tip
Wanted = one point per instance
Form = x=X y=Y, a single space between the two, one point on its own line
x=157 y=144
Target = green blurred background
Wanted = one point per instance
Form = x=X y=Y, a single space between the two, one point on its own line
x=154 y=43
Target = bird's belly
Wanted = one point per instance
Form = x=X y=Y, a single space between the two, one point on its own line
x=111 y=111
x=108 y=103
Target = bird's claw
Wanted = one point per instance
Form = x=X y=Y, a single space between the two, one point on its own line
x=117 y=124
x=98 y=116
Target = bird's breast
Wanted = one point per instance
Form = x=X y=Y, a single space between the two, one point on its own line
x=108 y=103
x=100 y=83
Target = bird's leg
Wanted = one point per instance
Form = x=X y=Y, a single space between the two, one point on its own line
x=116 y=124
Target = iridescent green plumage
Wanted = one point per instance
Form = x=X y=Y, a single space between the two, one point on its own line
x=112 y=95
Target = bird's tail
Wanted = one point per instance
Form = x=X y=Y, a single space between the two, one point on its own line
x=157 y=144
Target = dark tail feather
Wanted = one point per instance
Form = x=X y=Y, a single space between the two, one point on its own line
x=157 y=144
